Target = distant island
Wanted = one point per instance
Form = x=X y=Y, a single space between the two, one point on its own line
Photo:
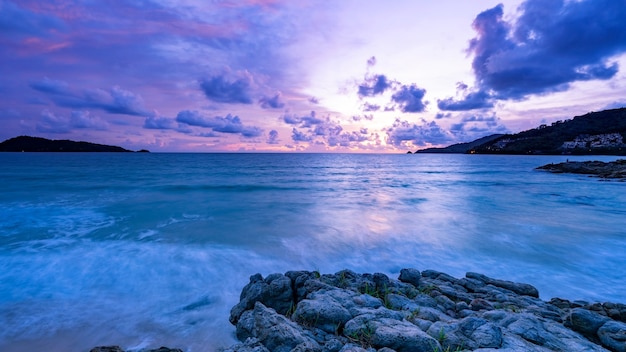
x=595 y=133
x=38 y=144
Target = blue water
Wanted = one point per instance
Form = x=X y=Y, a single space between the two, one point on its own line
x=144 y=250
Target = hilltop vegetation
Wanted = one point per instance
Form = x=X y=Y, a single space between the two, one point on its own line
x=37 y=144
x=600 y=132
x=593 y=133
x=460 y=148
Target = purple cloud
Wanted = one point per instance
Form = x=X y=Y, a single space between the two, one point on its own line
x=51 y=86
x=228 y=124
x=272 y=137
x=428 y=133
x=21 y=21
x=538 y=56
x=271 y=103
x=473 y=126
x=471 y=101
x=369 y=117
x=114 y=100
x=410 y=98
x=303 y=121
x=298 y=136
x=348 y=139
x=367 y=107
x=159 y=123
x=326 y=132
x=374 y=85
x=221 y=90
x=52 y=123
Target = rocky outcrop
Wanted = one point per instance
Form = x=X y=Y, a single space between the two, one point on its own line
x=421 y=311
x=615 y=169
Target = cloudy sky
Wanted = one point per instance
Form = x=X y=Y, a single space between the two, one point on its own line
x=311 y=76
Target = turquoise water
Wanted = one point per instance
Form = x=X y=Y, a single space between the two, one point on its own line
x=144 y=250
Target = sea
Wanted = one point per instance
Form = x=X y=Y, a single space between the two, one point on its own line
x=143 y=250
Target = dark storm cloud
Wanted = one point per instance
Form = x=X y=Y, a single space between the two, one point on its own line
x=552 y=44
x=410 y=98
x=271 y=102
x=17 y=20
x=403 y=132
x=374 y=85
x=221 y=90
x=228 y=124
x=114 y=100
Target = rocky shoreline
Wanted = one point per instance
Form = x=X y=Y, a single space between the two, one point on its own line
x=614 y=169
x=420 y=311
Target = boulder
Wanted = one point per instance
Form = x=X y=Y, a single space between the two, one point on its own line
x=585 y=322
x=274 y=291
x=613 y=335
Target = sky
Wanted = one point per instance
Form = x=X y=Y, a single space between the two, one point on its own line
x=304 y=76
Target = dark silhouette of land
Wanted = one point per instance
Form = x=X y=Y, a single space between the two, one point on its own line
x=595 y=133
x=37 y=144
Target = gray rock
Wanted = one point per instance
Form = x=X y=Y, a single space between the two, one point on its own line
x=530 y=330
x=107 y=349
x=616 y=311
x=519 y=288
x=353 y=348
x=364 y=312
x=245 y=325
x=410 y=276
x=585 y=322
x=276 y=332
x=481 y=332
x=323 y=312
x=332 y=345
x=439 y=276
x=275 y=292
x=480 y=304
x=401 y=336
x=250 y=345
x=613 y=335
x=298 y=278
